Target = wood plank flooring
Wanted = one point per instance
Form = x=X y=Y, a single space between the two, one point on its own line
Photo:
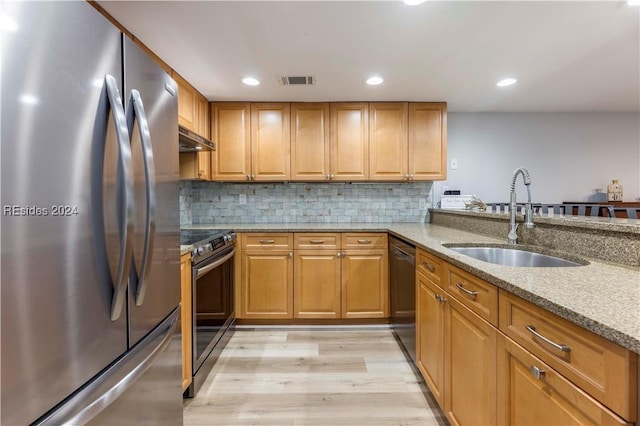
x=290 y=377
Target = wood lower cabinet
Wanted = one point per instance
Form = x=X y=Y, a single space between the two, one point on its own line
x=316 y=288
x=470 y=366
x=365 y=284
x=532 y=393
x=186 y=320
x=456 y=349
x=317 y=280
x=430 y=335
x=266 y=276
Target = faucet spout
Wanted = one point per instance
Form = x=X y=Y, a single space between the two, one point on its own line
x=528 y=215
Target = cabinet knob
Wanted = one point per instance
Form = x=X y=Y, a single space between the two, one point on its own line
x=290 y=255
x=536 y=372
x=248 y=177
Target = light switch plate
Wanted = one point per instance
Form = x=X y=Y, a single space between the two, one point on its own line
x=454 y=163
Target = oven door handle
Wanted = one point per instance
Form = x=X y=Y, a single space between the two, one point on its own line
x=201 y=271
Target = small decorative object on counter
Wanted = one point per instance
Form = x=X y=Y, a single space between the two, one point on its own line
x=476 y=203
x=614 y=191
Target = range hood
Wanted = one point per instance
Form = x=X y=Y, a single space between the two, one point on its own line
x=192 y=142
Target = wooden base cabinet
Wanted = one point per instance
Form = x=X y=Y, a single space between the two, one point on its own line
x=470 y=367
x=365 y=284
x=266 y=276
x=185 y=319
x=316 y=286
x=532 y=393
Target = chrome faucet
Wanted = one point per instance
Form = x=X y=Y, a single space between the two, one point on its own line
x=528 y=213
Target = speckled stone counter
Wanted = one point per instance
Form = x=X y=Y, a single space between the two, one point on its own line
x=602 y=297
x=184 y=249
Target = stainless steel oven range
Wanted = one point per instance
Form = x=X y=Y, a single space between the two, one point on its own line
x=212 y=268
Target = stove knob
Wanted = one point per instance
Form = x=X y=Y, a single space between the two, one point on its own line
x=201 y=250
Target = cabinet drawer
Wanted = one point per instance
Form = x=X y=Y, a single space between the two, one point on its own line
x=602 y=368
x=363 y=240
x=267 y=241
x=531 y=392
x=430 y=266
x=478 y=295
x=316 y=241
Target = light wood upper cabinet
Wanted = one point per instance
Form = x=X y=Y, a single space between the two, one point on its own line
x=230 y=131
x=270 y=141
x=187 y=104
x=310 y=160
x=203 y=126
x=428 y=141
x=388 y=141
x=349 y=141
x=185 y=319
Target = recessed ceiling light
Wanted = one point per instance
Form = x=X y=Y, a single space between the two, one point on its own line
x=374 y=81
x=250 y=81
x=413 y=2
x=506 y=82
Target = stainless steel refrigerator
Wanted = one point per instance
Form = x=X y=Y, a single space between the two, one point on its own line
x=90 y=285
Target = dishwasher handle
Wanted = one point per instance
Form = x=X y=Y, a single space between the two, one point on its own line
x=404 y=255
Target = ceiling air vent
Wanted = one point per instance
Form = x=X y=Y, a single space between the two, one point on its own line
x=297 y=81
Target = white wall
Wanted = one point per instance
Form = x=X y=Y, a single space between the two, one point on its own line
x=569 y=155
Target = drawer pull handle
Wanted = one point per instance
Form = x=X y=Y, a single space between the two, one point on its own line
x=316 y=241
x=364 y=241
x=429 y=266
x=536 y=372
x=564 y=348
x=466 y=291
x=267 y=241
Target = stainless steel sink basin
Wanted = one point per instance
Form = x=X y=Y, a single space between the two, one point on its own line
x=509 y=256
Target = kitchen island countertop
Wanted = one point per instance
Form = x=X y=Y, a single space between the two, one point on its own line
x=601 y=297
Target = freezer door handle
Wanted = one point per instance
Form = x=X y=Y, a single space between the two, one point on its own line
x=99 y=394
x=125 y=182
x=150 y=181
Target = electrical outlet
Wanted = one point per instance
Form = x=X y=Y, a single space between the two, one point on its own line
x=242 y=199
x=454 y=163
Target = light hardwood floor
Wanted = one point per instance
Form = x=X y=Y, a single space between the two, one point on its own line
x=287 y=377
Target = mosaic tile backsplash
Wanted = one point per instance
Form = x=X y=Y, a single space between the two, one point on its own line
x=213 y=202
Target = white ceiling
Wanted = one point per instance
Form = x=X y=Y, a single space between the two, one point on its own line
x=566 y=55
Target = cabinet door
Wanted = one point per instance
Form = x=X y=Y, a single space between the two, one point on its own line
x=310 y=141
x=185 y=319
x=204 y=129
x=187 y=104
x=270 y=141
x=532 y=393
x=388 y=141
x=230 y=127
x=428 y=141
x=365 y=284
x=266 y=281
x=349 y=141
x=316 y=287
x=470 y=367
x=430 y=336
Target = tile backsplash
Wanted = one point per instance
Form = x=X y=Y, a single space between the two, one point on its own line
x=214 y=202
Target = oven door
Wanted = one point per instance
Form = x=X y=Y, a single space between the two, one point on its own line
x=212 y=303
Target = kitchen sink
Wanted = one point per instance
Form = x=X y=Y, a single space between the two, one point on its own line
x=514 y=256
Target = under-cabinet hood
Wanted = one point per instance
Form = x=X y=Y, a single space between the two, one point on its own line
x=192 y=142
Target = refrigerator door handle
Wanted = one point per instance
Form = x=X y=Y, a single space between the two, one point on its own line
x=99 y=394
x=149 y=173
x=125 y=182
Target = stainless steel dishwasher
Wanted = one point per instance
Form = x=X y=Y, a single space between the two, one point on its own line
x=402 y=281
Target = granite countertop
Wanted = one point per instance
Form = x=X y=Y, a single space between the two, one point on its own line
x=601 y=297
